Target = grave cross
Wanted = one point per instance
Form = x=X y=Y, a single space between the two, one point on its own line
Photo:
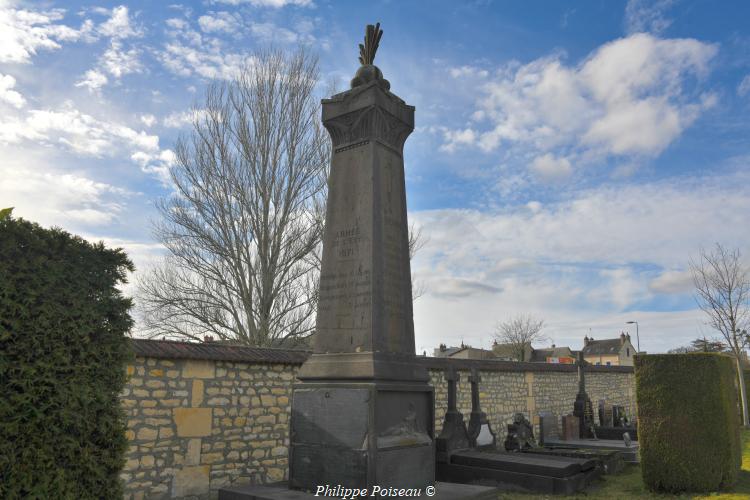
x=452 y=377
x=475 y=378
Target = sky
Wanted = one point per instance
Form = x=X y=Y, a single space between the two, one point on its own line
x=568 y=160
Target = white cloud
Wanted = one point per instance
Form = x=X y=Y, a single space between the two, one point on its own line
x=93 y=80
x=549 y=169
x=181 y=119
x=207 y=60
x=148 y=120
x=672 y=281
x=744 y=87
x=118 y=61
x=270 y=32
x=587 y=261
x=64 y=199
x=647 y=16
x=7 y=94
x=219 y=22
x=629 y=98
x=86 y=135
x=119 y=25
x=24 y=32
x=456 y=138
x=276 y=4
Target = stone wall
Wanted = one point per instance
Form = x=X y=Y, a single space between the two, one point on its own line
x=503 y=393
x=203 y=416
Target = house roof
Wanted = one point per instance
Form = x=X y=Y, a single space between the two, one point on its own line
x=553 y=352
x=447 y=352
x=606 y=346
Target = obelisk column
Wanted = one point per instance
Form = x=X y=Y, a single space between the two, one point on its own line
x=363 y=411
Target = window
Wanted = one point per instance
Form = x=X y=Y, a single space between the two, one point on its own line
x=598 y=363
x=609 y=363
x=628 y=349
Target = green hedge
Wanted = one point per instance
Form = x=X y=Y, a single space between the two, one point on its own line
x=688 y=427
x=63 y=352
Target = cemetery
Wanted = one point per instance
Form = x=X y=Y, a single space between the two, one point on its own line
x=359 y=414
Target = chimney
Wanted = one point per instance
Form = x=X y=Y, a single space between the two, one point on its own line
x=553 y=346
x=622 y=338
x=586 y=340
x=208 y=338
x=442 y=348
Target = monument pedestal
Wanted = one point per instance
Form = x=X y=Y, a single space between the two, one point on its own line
x=362 y=434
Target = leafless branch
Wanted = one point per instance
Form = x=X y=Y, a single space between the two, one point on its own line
x=519 y=333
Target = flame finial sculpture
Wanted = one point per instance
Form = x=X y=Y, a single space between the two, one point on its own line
x=372 y=40
x=368 y=72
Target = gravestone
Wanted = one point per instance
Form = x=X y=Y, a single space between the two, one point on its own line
x=605 y=413
x=571 y=427
x=481 y=434
x=362 y=413
x=548 y=428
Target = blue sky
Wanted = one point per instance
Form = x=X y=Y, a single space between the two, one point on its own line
x=569 y=157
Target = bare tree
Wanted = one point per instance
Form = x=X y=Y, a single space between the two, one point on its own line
x=722 y=286
x=519 y=333
x=244 y=228
x=245 y=220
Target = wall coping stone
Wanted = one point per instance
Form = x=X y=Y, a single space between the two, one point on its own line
x=172 y=349
x=216 y=351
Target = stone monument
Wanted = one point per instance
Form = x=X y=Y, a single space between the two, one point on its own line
x=453 y=436
x=362 y=413
x=582 y=408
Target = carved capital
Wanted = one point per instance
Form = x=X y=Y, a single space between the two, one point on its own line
x=368 y=123
x=368 y=113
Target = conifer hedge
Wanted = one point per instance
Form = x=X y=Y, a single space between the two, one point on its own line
x=688 y=425
x=63 y=352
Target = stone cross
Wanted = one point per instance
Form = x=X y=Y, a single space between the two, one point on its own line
x=475 y=378
x=453 y=435
x=452 y=377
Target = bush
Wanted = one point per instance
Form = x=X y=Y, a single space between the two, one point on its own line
x=63 y=353
x=688 y=427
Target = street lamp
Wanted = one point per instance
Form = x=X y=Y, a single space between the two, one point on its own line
x=637 y=337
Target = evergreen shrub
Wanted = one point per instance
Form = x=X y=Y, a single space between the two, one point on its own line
x=688 y=425
x=63 y=352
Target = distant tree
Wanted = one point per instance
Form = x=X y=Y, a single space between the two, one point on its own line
x=708 y=345
x=519 y=332
x=701 y=344
x=722 y=286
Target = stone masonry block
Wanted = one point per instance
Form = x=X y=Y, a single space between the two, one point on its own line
x=191 y=481
x=198 y=369
x=196 y=395
x=192 y=422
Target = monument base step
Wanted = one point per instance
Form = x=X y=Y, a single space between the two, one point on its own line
x=629 y=453
x=610 y=461
x=280 y=491
x=516 y=481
